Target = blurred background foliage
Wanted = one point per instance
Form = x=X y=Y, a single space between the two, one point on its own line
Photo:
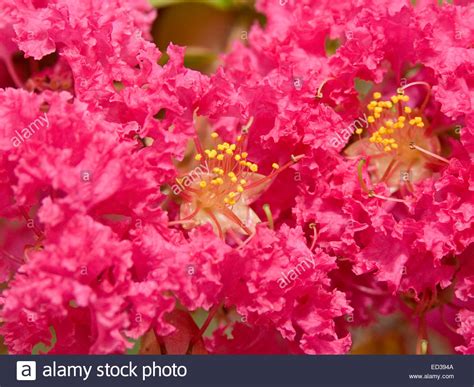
x=206 y=28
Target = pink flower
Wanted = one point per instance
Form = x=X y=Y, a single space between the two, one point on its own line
x=324 y=172
x=279 y=283
x=466 y=329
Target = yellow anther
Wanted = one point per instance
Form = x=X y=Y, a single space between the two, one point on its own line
x=388 y=104
x=231 y=195
x=237 y=157
x=243 y=181
x=233 y=146
x=372 y=139
x=254 y=167
x=377 y=95
x=202 y=184
x=243 y=163
x=230 y=152
x=418 y=120
x=220 y=181
x=377 y=115
x=240 y=189
x=216 y=170
x=244 y=155
x=359 y=131
x=275 y=166
x=198 y=157
x=389 y=123
x=231 y=174
x=220 y=157
x=391 y=140
x=394 y=146
x=387 y=149
x=371 y=119
x=212 y=154
x=378 y=109
x=220 y=147
x=390 y=131
x=226 y=145
x=394 y=98
x=207 y=152
x=214 y=135
x=233 y=179
x=382 y=130
x=402 y=118
x=385 y=141
x=407 y=109
x=412 y=122
x=239 y=137
x=404 y=98
x=420 y=124
x=370 y=106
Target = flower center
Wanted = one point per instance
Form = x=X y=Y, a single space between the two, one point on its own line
x=220 y=189
x=396 y=144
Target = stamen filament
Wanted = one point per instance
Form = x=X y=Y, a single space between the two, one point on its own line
x=414 y=146
x=428 y=94
x=229 y=214
x=360 y=166
x=372 y=194
x=389 y=170
x=275 y=172
x=268 y=213
x=199 y=334
x=216 y=222
x=318 y=93
x=315 y=236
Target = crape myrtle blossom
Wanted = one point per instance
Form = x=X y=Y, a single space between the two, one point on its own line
x=395 y=200
x=101 y=256
x=98 y=249
x=414 y=211
x=428 y=196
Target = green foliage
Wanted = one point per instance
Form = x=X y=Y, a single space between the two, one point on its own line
x=42 y=348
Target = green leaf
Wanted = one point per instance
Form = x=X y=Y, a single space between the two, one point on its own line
x=331 y=45
x=136 y=346
x=362 y=87
x=42 y=348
